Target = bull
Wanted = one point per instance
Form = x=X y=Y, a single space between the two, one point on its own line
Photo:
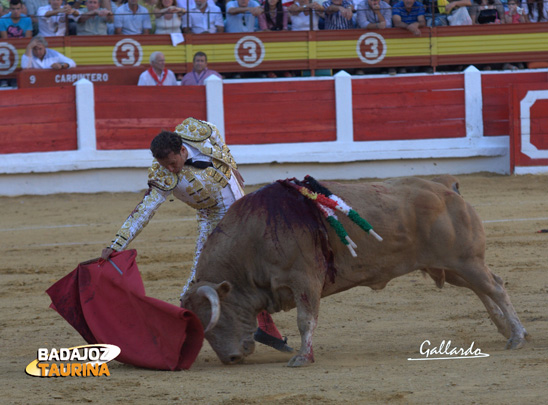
x=274 y=251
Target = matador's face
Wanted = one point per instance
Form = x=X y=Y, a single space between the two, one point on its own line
x=174 y=162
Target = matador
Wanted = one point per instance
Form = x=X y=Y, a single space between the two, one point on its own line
x=195 y=166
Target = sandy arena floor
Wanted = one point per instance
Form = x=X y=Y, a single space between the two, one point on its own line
x=363 y=340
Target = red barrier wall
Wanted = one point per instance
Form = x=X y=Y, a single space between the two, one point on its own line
x=399 y=108
x=538 y=135
x=539 y=125
x=496 y=90
x=279 y=112
x=127 y=116
x=38 y=120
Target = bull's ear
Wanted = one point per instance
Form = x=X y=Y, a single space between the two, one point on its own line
x=223 y=289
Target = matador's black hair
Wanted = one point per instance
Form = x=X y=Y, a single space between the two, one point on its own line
x=164 y=143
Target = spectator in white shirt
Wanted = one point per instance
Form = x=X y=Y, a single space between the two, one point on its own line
x=299 y=13
x=52 y=19
x=32 y=11
x=241 y=15
x=39 y=56
x=132 y=19
x=536 y=10
x=157 y=74
x=168 y=17
x=203 y=18
x=191 y=3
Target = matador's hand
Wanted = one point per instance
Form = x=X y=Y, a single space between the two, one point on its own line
x=105 y=254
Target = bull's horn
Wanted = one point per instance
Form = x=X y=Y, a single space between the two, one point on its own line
x=212 y=296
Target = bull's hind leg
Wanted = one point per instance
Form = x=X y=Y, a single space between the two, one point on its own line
x=486 y=284
x=493 y=309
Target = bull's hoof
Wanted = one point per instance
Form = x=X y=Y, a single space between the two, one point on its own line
x=300 y=361
x=262 y=337
x=515 y=343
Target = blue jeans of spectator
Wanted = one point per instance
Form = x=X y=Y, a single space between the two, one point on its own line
x=439 y=20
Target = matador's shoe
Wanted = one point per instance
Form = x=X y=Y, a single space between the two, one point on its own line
x=279 y=344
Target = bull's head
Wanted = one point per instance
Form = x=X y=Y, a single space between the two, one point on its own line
x=230 y=325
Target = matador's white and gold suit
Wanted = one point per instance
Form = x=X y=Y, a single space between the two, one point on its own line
x=211 y=191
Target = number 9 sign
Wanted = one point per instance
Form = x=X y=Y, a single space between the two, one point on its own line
x=249 y=51
x=8 y=58
x=371 y=48
x=127 y=52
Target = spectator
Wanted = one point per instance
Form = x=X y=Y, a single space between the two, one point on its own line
x=338 y=14
x=192 y=3
x=299 y=13
x=200 y=72
x=157 y=74
x=409 y=15
x=515 y=14
x=4 y=7
x=536 y=10
x=457 y=12
x=274 y=17
x=114 y=5
x=168 y=17
x=32 y=12
x=150 y=5
x=203 y=18
x=435 y=12
x=241 y=15
x=487 y=12
x=52 y=19
x=132 y=19
x=93 y=20
x=73 y=24
x=15 y=24
x=76 y=4
x=39 y=56
x=374 y=15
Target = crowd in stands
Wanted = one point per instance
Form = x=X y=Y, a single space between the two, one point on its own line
x=50 y=18
x=26 y=18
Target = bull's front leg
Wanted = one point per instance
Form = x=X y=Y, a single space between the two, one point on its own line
x=307 y=320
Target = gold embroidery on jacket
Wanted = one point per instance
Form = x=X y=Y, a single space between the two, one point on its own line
x=160 y=177
x=199 y=187
x=194 y=130
x=138 y=219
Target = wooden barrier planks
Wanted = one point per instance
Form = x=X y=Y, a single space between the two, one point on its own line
x=403 y=108
x=38 y=120
x=539 y=124
x=280 y=112
x=496 y=90
x=128 y=117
